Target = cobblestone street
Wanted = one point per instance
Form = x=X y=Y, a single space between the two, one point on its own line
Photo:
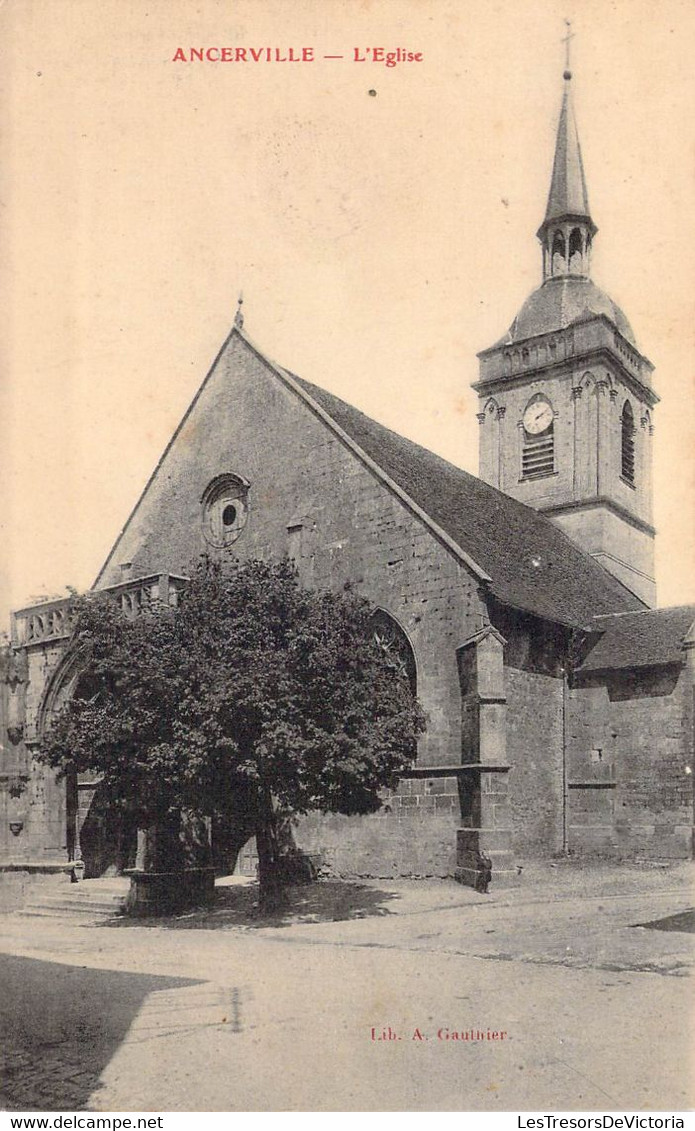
x=205 y=1012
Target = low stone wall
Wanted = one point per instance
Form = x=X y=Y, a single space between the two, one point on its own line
x=631 y=841
x=414 y=834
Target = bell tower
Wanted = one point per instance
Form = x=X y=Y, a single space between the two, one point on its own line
x=565 y=397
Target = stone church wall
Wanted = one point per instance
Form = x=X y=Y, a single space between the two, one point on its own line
x=630 y=761
x=414 y=834
x=311 y=498
x=32 y=798
x=533 y=658
x=621 y=547
x=534 y=749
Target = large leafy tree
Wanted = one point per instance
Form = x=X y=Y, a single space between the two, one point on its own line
x=254 y=696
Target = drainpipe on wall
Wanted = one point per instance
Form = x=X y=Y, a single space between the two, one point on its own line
x=565 y=692
x=689 y=653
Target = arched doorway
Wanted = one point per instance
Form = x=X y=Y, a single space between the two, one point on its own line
x=98 y=831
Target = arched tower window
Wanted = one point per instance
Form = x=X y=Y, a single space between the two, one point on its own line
x=538 y=450
x=557 y=254
x=576 y=250
x=627 y=446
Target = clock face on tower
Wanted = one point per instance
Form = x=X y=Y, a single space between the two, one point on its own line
x=538 y=417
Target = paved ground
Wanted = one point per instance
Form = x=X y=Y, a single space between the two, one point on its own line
x=226 y=1012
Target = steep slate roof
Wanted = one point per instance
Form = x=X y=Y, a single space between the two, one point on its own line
x=533 y=564
x=639 y=640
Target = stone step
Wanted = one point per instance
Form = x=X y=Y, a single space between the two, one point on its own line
x=73 y=909
x=68 y=913
x=85 y=891
x=87 y=898
x=60 y=910
x=54 y=903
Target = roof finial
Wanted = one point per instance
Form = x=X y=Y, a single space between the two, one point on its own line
x=567 y=40
x=239 y=316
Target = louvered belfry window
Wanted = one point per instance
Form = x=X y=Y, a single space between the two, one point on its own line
x=538 y=456
x=538 y=441
x=627 y=451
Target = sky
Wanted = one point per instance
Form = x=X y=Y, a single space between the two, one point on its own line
x=380 y=220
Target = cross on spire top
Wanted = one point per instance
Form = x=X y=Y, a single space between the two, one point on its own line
x=239 y=316
x=567 y=40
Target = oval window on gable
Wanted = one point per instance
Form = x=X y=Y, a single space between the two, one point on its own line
x=225 y=509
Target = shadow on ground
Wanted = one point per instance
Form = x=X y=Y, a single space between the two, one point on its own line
x=238 y=907
x=682 y=921
x=60 y=1026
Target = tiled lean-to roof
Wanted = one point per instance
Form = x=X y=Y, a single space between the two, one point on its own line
x=532 y=564
x=643 y=639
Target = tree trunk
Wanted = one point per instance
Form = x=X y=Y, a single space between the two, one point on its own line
x=165 y=847
x=272 y=892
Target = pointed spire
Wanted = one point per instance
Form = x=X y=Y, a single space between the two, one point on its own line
x=567 y=229
x=239 y=316
x=568 y=195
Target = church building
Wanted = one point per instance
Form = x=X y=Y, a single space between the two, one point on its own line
x=559 y=699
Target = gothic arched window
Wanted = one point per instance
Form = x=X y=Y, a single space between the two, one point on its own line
x=392 y=639
x=627 y=444
x=538 y=451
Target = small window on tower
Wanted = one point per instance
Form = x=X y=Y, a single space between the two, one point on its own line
x=627 y=448
x=538 y=452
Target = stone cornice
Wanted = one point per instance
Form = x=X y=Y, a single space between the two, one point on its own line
x=567 y=366
x=600 y=501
